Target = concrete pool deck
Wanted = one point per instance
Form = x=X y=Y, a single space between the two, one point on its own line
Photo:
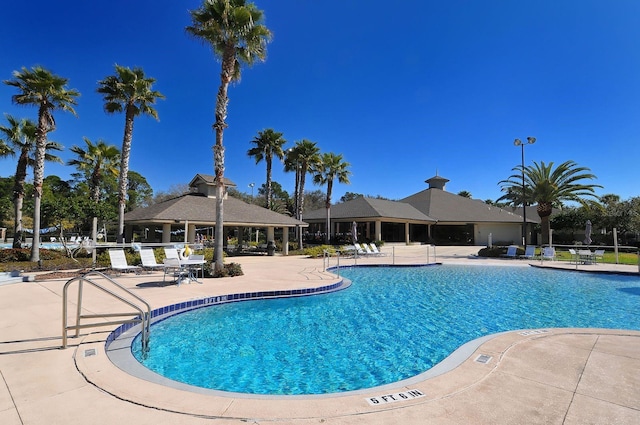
x=563 y=376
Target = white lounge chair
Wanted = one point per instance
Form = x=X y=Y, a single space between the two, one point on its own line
x=511 y=252
x=149 y=260
x=375 y=249
x=119 y=261
x=529 y=252
x=367 y=250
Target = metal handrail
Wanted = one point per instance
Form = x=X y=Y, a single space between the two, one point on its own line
x=144 y=317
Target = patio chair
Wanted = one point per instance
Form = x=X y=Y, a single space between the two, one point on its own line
x=511 y=252
x=173 y=267
x=119 y=262
x=375 y=249
x=598 y=254
x=529 y=252
x=585 y=256
x=574 y=256
x=549 y=253
x=149 y=260
x=171 y=253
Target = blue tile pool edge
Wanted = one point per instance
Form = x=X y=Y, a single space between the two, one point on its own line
x=162 y=313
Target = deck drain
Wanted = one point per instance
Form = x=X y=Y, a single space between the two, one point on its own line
x=90 y=352
x=483 y=358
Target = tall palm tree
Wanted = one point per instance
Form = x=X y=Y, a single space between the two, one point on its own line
x=129 y=91
x=268 y=144
x=549 y=187
x=237 y=36
x=49 y=92
x=330 y=168
x=304 y=155
x=94 y=162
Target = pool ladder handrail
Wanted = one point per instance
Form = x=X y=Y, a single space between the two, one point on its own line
x=143 y=317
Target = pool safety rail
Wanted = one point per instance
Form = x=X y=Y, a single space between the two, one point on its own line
x=141 y=309
x=416 y=254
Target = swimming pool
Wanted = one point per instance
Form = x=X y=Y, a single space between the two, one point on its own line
x=391 y=324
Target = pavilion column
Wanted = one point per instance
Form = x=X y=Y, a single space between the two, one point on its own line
x=270 y=234
x=407 y=237
x=128 y=234
x=166 y=233
x=191 y=233
x=378 y=232
x=151 y=234
x=285 y=241
x=240 y=237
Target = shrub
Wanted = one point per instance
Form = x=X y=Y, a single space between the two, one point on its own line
x=497 y=251
x=229 y=270
x=318 y=250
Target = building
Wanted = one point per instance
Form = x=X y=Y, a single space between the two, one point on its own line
x=429 y=216
x=193 y=215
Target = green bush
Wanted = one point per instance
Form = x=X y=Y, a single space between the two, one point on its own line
x=229 y=270
x=318 y=251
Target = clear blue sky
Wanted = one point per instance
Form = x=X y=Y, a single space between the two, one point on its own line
x=400 y=89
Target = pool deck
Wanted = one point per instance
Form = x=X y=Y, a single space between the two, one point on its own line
x=550 y=376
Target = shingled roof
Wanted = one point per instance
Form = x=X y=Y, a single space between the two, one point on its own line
x=450 y=208
x=197 y=208
x=363 y=207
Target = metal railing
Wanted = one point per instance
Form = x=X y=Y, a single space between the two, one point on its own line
x=141 y=315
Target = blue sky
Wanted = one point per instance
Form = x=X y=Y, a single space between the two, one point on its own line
x=401 y=89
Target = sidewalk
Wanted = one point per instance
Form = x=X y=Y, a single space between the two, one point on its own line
x=563 y=376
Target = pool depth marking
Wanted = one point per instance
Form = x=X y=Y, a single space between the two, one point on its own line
x=395 y=397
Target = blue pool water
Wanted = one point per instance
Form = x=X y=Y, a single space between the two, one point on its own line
x=391 y=324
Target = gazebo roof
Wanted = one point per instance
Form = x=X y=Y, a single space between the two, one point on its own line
x=199 y=209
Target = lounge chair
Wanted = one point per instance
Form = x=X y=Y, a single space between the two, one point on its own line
x=360 y=250
x=549 y=253
x=119 y=261
x=366 y=248
x=529 y=252
x=511 y=252
x=375 y=249
x=149 y=260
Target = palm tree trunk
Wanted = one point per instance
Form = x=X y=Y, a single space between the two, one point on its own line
x=18 y=197
x=17 y=233
x=269 y=193
x=38 y=178
x=303 y=175
x=328 y=207
x=123 y=179
x=544 y=210
x=222 y=99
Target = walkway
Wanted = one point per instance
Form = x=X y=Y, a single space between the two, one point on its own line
x=552 y=376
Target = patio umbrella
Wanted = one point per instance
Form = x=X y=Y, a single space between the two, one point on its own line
x=587 y=233
x=354 y=232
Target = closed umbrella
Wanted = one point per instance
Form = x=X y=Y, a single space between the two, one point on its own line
x=354 y=232
x=587 y=233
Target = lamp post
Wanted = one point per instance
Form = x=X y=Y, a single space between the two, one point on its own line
x=518 y=142
x=251 y=185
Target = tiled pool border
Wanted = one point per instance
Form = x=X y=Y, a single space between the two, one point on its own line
x=181 y=307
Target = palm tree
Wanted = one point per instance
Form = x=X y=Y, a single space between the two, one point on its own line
x=268 y=144
x=94 y=162
x=49 y=92
x=19 y=136
x=129 y=91
x=300 y=158
x=331 y=167
x=235 y=32
x=549 y=187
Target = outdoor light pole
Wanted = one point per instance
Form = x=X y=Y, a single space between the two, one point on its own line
x=251 y=186
x=518 y=142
